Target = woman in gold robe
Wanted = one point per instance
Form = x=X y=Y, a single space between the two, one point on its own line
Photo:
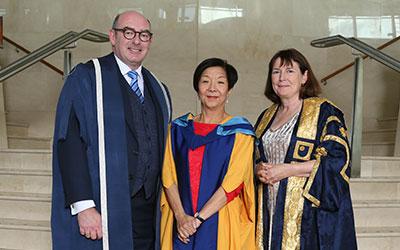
x=303 y=163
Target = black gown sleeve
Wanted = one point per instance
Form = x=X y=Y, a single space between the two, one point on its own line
x=74 y=164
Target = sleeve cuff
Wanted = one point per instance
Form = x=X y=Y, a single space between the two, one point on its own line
x=79 y=206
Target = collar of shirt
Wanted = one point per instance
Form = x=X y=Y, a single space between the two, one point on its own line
x=124 y=71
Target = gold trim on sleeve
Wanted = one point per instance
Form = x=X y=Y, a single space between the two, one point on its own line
x=343 y=132
x=307 y=195
x=346 y=146
x=330 y=119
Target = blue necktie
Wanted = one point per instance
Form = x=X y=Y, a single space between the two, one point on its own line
x=135 y=86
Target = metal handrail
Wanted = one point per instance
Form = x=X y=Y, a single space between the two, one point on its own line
x=356 y=131
x=18 y=46
x=49 y=49
x=360 y=46
x=340 y=70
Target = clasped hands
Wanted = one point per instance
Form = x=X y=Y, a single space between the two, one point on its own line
x=89 y=222
x=271 y=173
x=186 y=226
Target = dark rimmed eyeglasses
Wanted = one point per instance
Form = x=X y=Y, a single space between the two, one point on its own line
x=129 y=34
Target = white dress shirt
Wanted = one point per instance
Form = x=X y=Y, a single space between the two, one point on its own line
x=124 y=71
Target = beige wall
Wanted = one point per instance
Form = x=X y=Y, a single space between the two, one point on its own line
x=186 y=32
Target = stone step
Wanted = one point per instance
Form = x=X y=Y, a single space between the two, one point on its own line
x=378 y=238
x=24 y=142
x=25 y=234
x=25 y=181
x=375 y=188
x=27 y=206
x=17 y=129
x=387 y=122
x=376 y=166
x=378 y=149
x=379 y=135
x=25 y=159
x=377 y=213
x=9 y=249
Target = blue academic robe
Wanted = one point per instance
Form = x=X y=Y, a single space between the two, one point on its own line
x=79 y=94
x=314 y=212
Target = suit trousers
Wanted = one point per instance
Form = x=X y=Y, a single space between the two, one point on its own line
x=143 y=220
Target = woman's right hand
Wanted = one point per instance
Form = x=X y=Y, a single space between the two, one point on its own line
x=261 y=172
x=186 y=226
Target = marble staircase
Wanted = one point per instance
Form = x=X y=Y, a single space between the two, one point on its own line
x=25 y=191
x=380 y=140
x=18 y=138
x=376 y=195
x=376 y=203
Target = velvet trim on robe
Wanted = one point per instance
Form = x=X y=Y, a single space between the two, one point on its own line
x=196 y=161
x=314 y=212
x=227 y=162
x=195 y=164
x=79 y=92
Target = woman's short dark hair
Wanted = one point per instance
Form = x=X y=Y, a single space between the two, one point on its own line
x=311 y=88
x=230 y=71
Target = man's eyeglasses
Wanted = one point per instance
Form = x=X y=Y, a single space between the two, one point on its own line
x=129 y=34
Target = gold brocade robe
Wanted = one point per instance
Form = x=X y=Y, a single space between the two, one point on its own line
x=313 y=212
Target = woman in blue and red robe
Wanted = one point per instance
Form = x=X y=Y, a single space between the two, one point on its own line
x=208 y=170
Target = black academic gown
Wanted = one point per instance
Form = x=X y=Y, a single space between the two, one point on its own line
x=79 y=95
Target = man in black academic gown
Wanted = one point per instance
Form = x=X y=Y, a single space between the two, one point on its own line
x=136 y=111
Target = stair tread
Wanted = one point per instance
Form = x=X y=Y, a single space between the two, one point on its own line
x=36 y=172
x=10 y=249
x=375 y=203
x=18 y=124
x=379 y=130
x=25 y=196
x=377 y=231
x=19 y=224
x=388 y=118
x=36 y=138
x=17 y=150
x=381 y=158
x=375 y=179
x=379 y=143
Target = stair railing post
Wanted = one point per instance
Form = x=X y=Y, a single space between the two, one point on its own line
x=67 y=62
x=3 y=124
x=397 y=141
x=356 y=131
